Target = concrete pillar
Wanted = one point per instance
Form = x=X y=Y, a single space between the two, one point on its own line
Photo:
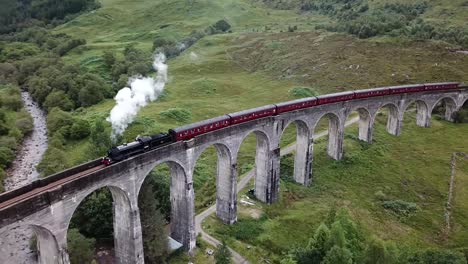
x=423 y=116
x=182 y=207
x=449 y=111
x=303 y=158
x=128 y=241
x=49 y=250
x=335 y=138
x=267 y=164
x=226 y=188
x=395 y=121
x=366 y=126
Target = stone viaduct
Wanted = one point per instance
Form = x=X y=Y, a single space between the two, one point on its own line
x=49 y=213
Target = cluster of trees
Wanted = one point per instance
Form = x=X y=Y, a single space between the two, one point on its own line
x=356 y=17
x=172 y=48
x=15 y=123
x=16 y=14
x=40 y=39
x=55 y=84
x=340 y=240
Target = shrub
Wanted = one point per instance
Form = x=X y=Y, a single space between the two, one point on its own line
x=59 y=120
x=52 y=162
x=178 y=114
x=25 y=124
x=223 y=255
x=438 y=256
x=246 y=230
x=222 y=26
x=80 y=129
x=58 y=99
x=80 y=248
x=6 y=156
x=301 y=92
x=400 y=207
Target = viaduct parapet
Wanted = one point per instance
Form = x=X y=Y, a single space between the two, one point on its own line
x=49 y=212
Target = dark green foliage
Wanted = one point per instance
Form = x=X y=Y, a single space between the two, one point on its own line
x=53 y=161
x=80 y=248
x=377 y=252
x=301 y=92
x=6 y=157
x=400 y=207
x=438 y=256
x=100 y=141
x=58 y=99
x=80 y=129
x=246 y=230
x=222 y=25
x=11 y=99
x=287 y=168
x=161 y=183
x=339 y=255
x=223 y=255
x=178 y=114
x=94 y=218
x=18 y=13
x=109 y=58
x=155 y=241
x=24 y=123
x=59 y=121
x=461 y=116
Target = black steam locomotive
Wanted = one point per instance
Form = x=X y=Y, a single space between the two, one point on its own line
x=140 y=145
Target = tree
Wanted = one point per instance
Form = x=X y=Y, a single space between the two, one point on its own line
x=155 y=243
x=79 y=129
x=337 y=236
x=58 y=99
x=288 y=260
x=53 y=161
x=100 y=138
x=223 y=255
x=109 y=58
x=80 y=248
x=339 y=255
x=59 y=121
x=376 y=252
x=94 y=216
x=90 y=94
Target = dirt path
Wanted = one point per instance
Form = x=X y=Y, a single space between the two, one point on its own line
x=236 y=257
x=23 y=170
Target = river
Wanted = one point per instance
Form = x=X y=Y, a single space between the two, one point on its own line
x=14 y=243
x=23 y=169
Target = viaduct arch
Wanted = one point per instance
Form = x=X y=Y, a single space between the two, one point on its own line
x=49 y=208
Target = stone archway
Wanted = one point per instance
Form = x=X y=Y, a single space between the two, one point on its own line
x=423 y=116
x=304 y=152
x=335 y=135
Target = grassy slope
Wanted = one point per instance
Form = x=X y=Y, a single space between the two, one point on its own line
x=414 y=167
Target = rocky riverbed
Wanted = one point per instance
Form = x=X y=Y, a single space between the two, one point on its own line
x=14 y=244
x=23 y=170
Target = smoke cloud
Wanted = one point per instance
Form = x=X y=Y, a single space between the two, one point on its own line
x=140 y=91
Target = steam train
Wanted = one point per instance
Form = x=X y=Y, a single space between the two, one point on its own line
x=146 y=143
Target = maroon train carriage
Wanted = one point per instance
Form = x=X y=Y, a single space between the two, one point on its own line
x=371 y=92
x=296 y=104
x=407 y=89
x=333 y=98
x=252 y=114
x=441 y=86
x=193 y=130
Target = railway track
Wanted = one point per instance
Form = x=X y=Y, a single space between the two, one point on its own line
x=50 y=186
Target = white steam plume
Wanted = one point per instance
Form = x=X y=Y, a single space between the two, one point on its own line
x=142 y=90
